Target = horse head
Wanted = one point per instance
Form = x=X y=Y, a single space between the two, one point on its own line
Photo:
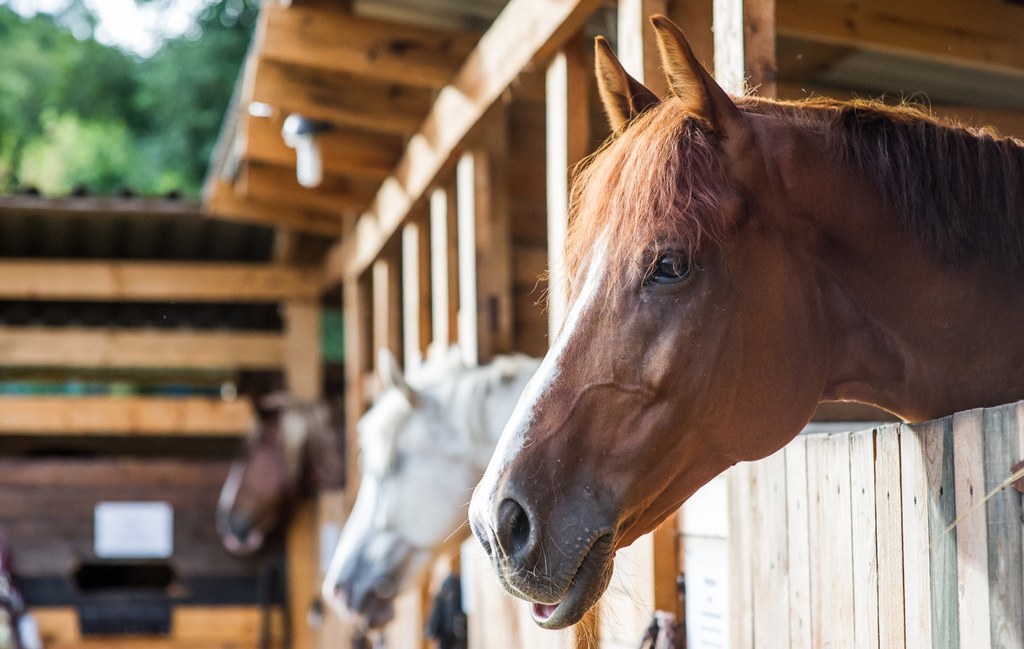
x=423 y=446
x=293 y=448
x=685 y=302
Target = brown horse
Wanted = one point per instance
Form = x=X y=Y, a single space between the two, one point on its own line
x=733 y=263
x=294 y=449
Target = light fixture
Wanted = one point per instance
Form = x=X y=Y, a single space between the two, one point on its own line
x=300 y=133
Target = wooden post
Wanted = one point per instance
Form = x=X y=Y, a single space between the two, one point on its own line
x=485 y=261
x=387 y=307
x=744 y=42
x=567 y=142
x=304 y=378
x=416 y=316
x=636 y=45
x=444 y=270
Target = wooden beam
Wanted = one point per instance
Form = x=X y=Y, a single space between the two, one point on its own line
x=119 y=416
x=267 y=183
x=356 y=299
x=341 y=42
x=977 y=34
x=338 y=98
x=74 y=279
x=345 y=151
x=568 y=142
x=526 y=31
x=134 y=349
x=220 y=200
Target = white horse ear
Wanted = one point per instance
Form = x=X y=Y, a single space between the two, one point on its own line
x=391 y=375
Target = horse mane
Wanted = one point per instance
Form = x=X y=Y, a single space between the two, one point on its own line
x=959 y=190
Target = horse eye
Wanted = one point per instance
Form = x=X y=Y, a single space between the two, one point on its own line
x=670 y=268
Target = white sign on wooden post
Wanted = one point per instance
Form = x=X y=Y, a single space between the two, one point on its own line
x=134 y=530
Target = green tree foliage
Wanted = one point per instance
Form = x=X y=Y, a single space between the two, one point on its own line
x=74 y=112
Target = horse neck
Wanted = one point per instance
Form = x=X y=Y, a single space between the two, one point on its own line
x=918 y=336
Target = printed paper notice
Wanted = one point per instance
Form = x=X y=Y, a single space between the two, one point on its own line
x=134 y=530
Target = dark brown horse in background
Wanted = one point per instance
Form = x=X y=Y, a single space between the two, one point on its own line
x=733 y=263
x=294 y=449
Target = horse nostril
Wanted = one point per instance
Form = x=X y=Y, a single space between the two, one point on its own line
x=239 y=526
x=513 y=533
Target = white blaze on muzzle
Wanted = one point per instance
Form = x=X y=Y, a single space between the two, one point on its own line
x=514 y=436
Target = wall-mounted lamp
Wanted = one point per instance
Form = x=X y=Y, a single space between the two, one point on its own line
x=300 y=133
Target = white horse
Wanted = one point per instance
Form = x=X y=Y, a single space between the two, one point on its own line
x=423 y=447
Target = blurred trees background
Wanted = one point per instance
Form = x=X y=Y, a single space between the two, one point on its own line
x=74 y=112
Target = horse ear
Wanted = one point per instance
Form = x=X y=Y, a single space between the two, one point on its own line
x=690 y=82
x=623 y=96
x=391 y=375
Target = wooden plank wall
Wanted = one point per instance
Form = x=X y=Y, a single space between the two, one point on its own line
x=897 y=536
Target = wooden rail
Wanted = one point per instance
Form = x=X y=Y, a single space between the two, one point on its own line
x=135 y=349
x=186 y=416
x=73 y=279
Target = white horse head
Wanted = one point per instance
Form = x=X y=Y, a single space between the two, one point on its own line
x=423 y=447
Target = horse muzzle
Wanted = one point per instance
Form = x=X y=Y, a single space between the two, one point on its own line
x=558 y=558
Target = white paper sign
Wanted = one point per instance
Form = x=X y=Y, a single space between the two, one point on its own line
x=707 y=593
x=134 y=530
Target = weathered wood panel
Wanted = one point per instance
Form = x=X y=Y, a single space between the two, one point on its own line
x=911 y=537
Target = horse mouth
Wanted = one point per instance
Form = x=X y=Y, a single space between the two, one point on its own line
x=585 y=588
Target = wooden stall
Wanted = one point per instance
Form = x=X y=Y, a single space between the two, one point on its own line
x=450 y=132
x=126 y=324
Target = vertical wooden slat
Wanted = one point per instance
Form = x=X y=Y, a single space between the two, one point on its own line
x=637 y=49
x=937 y=437
x=971 y=532
x=741 y=631
x=889 y=513
x=865 y=557
x=1002 y=450
x=799 y=544
x=444 y=268
x=694 y=18
x=304 y=377
x=759 y=46
x=771 y=561
x=416 y=316
x=744 y=39
x=358 y=356
x=382 y=274
x=466 y=172
x=567 y=140
x=916 y=565
x=830 y=517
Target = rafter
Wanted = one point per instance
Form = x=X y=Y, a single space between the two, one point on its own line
x=527 y=30
x=334 y=40
x=339 y=98
x=220 y=200
x=345 y=151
